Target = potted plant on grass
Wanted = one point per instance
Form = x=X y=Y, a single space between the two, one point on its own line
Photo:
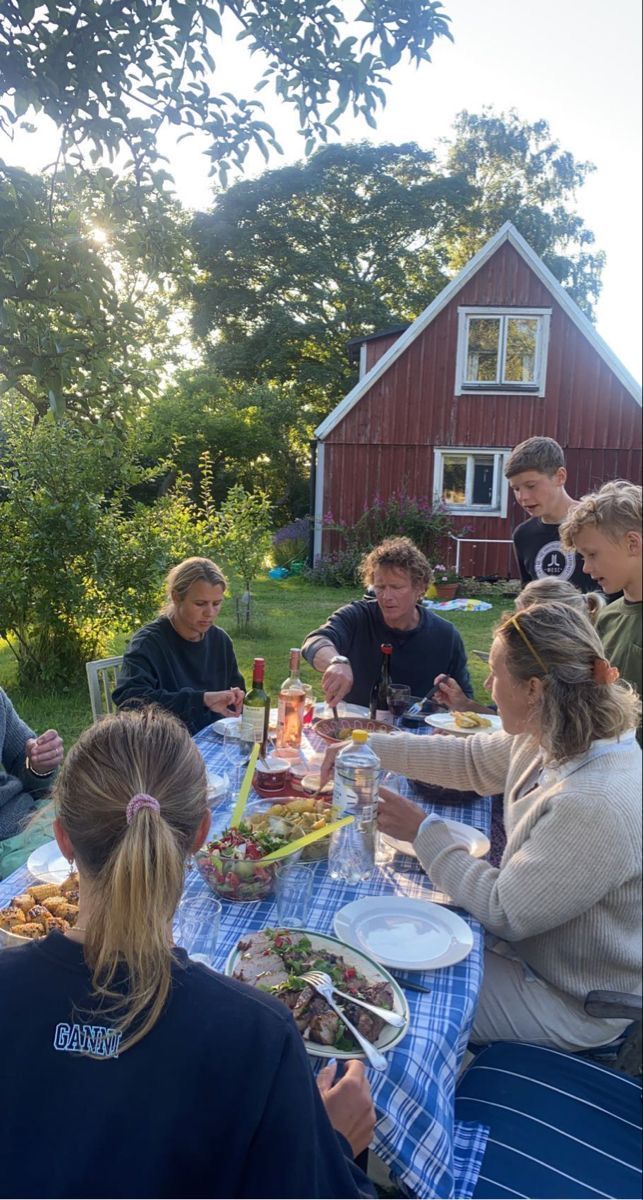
x=445 y=582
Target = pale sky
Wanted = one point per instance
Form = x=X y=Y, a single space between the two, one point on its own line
x=575 y=63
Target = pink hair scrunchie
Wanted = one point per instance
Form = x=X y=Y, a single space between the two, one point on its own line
x=139 y=801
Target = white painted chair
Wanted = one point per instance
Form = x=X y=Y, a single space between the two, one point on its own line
x=101 y=678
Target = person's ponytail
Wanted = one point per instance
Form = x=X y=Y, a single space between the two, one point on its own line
x=131 y=796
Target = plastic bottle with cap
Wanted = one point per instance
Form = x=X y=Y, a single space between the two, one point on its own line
x=351 y=855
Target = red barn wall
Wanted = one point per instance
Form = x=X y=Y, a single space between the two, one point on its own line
x=388 y=437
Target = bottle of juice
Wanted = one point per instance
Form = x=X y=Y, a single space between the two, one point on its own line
x=292 y=700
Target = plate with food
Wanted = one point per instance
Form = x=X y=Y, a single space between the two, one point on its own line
x=412 y=935
x=465 y=723
x=294 y=818
x=273 y=959
x=38 y=910
x=48 y=864
x=476 y=843
x=337 y=730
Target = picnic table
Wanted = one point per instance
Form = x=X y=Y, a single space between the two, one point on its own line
x=426 y=1150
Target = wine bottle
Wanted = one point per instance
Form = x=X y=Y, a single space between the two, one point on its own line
x=256 y=708
x=290 y=715
x=378 y=709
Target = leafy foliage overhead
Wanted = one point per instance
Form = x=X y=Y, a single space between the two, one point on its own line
x=89 y=276
x=111 y=73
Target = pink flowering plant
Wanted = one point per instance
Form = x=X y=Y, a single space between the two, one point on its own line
x=400 y=514
x=444 y=574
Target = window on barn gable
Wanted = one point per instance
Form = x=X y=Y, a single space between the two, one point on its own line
x=502 y=350
x=471 y=481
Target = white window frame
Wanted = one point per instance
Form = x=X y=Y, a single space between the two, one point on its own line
x=537 y=388
x=500 y=485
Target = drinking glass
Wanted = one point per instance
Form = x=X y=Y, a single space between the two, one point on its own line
x=236 y=754
x=294 y=894
x=398 y=696
x=309 y=704
x=196 y=927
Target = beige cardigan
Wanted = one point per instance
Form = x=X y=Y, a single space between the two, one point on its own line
x=567 y=894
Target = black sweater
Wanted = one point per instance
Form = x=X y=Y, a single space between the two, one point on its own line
x=357 y=630
x=217 y=1100
x=161 y=667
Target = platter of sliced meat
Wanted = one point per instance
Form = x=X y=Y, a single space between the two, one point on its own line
x=273 y=961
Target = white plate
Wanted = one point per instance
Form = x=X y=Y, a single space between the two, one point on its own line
x=48 y=865
x=217 y=785
x=231 y=723
x=446 y=723
x=478 y=843
x=389 y=1037
x=234 y=723
x=414 y=935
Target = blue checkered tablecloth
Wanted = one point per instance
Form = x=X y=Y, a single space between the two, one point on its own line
x=426 y=1150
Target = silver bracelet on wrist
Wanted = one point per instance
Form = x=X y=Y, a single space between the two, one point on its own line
x=38 y=774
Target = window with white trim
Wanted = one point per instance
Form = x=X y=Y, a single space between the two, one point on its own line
x=471 y=482
x=502 y=350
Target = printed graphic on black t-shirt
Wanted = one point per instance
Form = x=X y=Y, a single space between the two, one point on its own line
x=540 y=555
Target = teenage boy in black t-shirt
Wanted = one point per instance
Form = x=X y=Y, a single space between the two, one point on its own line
x=537 y=476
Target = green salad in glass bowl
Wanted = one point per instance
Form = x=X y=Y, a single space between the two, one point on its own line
x=231 y=864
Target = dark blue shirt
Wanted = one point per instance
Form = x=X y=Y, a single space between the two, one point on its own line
x=161 y=667
x=358 y=630
x=217 y=1100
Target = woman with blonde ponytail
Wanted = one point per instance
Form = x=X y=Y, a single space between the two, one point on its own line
x=176 y=1081
x=563 y=909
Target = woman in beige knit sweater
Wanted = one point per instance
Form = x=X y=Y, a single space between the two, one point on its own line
x=563 y=910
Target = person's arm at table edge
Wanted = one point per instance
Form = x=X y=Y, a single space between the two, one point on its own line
x=17 y=733
x=458 y=668
x=296 y=1134
x=137 y=683
x=334 y=637
x=478 y=763
x=554 y=879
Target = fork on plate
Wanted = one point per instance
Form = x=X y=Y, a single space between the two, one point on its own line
x=376 y=1059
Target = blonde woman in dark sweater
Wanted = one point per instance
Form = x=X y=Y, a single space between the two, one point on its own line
x=563 y=909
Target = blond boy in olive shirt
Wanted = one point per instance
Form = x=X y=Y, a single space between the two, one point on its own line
x=605 y=528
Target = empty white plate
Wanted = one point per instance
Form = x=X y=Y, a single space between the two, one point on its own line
x=413 y=935
x=446 y=722
x=477 y=843
x=48 y=865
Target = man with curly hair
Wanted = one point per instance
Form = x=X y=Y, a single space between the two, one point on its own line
x=346 y=649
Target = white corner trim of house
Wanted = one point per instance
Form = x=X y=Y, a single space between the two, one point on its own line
x=507 y=233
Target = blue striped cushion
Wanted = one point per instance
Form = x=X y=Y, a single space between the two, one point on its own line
x=560 y=1126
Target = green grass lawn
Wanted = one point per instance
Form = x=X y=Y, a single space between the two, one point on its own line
x=285 y=611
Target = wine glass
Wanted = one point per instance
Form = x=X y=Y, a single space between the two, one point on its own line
x=398 y=696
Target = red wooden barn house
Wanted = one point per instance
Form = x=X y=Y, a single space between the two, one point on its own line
x=501 y=354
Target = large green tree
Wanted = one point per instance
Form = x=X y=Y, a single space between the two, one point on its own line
x=254 y=435
x=90 y=276
x=360 y=237
x=518 y=172
x=305 y=257
x=112 y=73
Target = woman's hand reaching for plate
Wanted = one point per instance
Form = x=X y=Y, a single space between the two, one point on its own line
x=397 y=816
x=348 y=1103
x=228 y=703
